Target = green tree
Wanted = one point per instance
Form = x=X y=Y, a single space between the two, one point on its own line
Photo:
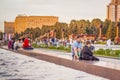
x=78 y=26
x=96 y=23
x=73 y=27
x=81 y=26
x=106 y=24
x=111 y=31
x=17 y=36
x=91 y=30
x=59 y=27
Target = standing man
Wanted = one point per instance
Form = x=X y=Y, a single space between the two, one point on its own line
x=76 y=48
x=108 y=43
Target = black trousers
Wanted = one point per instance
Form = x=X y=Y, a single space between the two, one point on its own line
x=93 y=58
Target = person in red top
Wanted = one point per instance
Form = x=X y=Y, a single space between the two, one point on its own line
x=26 y=44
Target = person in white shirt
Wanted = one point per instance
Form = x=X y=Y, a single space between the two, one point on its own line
x=18 y=44
x=108 y=43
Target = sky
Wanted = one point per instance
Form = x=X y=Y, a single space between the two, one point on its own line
x=66 y=10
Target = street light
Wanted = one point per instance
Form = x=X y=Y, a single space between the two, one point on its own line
x=100 y=31
x=48 y=34
x=117 y=32
x=63 y=34
x=54 y=33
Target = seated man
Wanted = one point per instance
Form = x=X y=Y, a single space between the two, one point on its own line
x=86 y=53
x=16 y=44
x=26 y=44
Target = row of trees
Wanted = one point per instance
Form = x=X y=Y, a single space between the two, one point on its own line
x=75 y=27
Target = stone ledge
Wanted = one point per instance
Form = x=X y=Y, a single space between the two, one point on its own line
x=109 y=73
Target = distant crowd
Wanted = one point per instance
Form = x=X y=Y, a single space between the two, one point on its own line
x=24 y=43
x=81 y=48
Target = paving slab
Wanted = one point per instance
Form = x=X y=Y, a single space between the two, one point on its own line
x=15 y=66
x=104 y=62
x=86 y=66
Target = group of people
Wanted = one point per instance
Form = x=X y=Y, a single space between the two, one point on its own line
x=80 y=52
x=24 y=43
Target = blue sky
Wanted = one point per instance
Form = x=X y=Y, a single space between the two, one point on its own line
x=66 y=10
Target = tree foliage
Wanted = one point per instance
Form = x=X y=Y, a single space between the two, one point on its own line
x=75 y=27
x=111 y=31
x=105 y=26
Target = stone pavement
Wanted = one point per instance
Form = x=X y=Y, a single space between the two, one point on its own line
x=104 y=62
x=104 y=67
x=15 y=66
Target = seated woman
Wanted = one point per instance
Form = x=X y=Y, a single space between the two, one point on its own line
x=86 y=53
x=26 y=44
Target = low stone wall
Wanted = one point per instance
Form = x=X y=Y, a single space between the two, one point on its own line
x=109 y=73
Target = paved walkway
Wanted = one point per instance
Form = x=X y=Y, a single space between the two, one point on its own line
x=15 y=66
x=104 y=62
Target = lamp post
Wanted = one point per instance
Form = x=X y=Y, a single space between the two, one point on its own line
x=100 y=32
x=31 y=37
x=63 y=34
x=54 y=33
x=117 y=31
x=48 y=34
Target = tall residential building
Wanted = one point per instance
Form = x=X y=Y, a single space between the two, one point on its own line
x=9 y=27
x=113 y=11
x=24 y=22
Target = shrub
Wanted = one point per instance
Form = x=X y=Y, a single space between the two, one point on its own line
x=101 y=42
x=108 y=52
x=35 y=45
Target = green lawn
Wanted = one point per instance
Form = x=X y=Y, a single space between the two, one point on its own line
x=100 y=52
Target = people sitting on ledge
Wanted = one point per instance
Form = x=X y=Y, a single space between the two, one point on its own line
x=26 y=44
x=86 y=53
x=18 y=44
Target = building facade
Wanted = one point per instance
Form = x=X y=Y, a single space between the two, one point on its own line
x=113 y=11
x=9 y=27
x=24 y=22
